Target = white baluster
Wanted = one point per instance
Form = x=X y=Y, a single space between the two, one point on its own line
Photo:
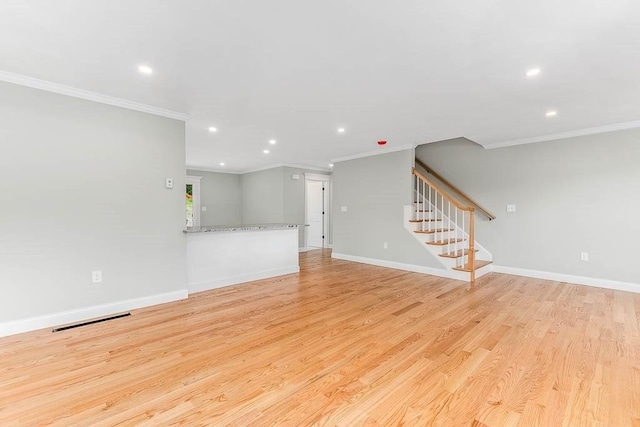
x=455 y=248
x=441 y=214
x=463 y=245
x=417 y=198
x=430 y=198
x=448 y=219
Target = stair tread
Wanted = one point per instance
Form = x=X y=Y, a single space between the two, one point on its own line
x=444 y=242
x=478 y=264
x=435 y=230
x=456 y=254
x=425 y=220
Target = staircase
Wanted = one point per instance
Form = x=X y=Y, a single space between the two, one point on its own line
x=447 y=228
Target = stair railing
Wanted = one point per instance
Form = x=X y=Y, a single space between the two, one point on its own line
x=432 y=205
x=455 y=189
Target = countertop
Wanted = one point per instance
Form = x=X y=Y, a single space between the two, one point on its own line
x=243 y=227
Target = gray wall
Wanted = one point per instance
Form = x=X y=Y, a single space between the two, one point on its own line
x=294 y=201
x=262 y=196
x=82 y=189
x=574 y=195
x=272 y=196
x=375 y=190
x=221 y=193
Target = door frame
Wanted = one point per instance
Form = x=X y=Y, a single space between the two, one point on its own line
x=327 y=209
x=195 y=189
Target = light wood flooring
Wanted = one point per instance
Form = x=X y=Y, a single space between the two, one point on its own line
x=341 y=344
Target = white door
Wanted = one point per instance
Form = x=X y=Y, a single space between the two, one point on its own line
x=315 y=214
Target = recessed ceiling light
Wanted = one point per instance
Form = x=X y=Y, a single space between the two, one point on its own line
x=265 y=151
x=143 y=69
x=551 y=113
x=213 y=129
x=533 y=72
x=340 y=130
x=330 y=165
x=272 y=141
x=221 y=163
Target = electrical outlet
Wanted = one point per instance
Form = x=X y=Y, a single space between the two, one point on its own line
x=168 y=183
x=204 y=209
x=96 y=276
x=343 y=208
x=386 y=245
x=584 y=256
x=511 y=208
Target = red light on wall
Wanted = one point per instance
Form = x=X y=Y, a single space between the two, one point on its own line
x=382 y=142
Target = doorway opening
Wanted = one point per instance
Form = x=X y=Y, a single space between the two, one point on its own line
x=318 y=211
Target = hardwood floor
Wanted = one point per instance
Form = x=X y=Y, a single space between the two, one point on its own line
x=341 y=344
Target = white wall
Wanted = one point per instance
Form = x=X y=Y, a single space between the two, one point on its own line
x=375 y=190
x=82 y=189
x=221 y=193
x=574 y=195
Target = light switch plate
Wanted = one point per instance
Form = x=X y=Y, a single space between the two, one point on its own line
x=295 y=176
x=511 y=208
x=343 y=208
x=204 y=209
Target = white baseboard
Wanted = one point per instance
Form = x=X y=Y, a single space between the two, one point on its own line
x=242 y=278
x=86 y=313
x=399 y=266
x=560 y=277
x=302 y=249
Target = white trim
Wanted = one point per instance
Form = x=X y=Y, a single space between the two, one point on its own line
x=242 y=278
x=195 y=193
x=206 y=169
x=302 y=249
x=311 y=168
x=563 y=135
x=375 y=153
x=398 y=265
x=287 y=165
x=273 y=166
x=327 y=201
x=316 y=177
x=560 y=277
x=19 y=79
x=86 y=313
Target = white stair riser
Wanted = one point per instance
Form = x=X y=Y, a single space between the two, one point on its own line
x=436 y=250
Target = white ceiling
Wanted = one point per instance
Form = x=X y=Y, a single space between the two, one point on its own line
x=406 y=71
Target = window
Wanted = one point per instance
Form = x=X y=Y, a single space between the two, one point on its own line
x=192 y=201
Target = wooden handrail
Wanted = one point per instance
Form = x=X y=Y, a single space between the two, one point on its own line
x=441 y=191
x=455 y=189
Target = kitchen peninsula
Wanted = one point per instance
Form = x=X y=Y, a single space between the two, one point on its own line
x=220 y=256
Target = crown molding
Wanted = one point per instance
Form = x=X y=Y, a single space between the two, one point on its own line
x=563 y=135
x=311 y=168
x=19 y=79
x=288 y=165
x=375 y=153
x=272 y=166
x=208 y=169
